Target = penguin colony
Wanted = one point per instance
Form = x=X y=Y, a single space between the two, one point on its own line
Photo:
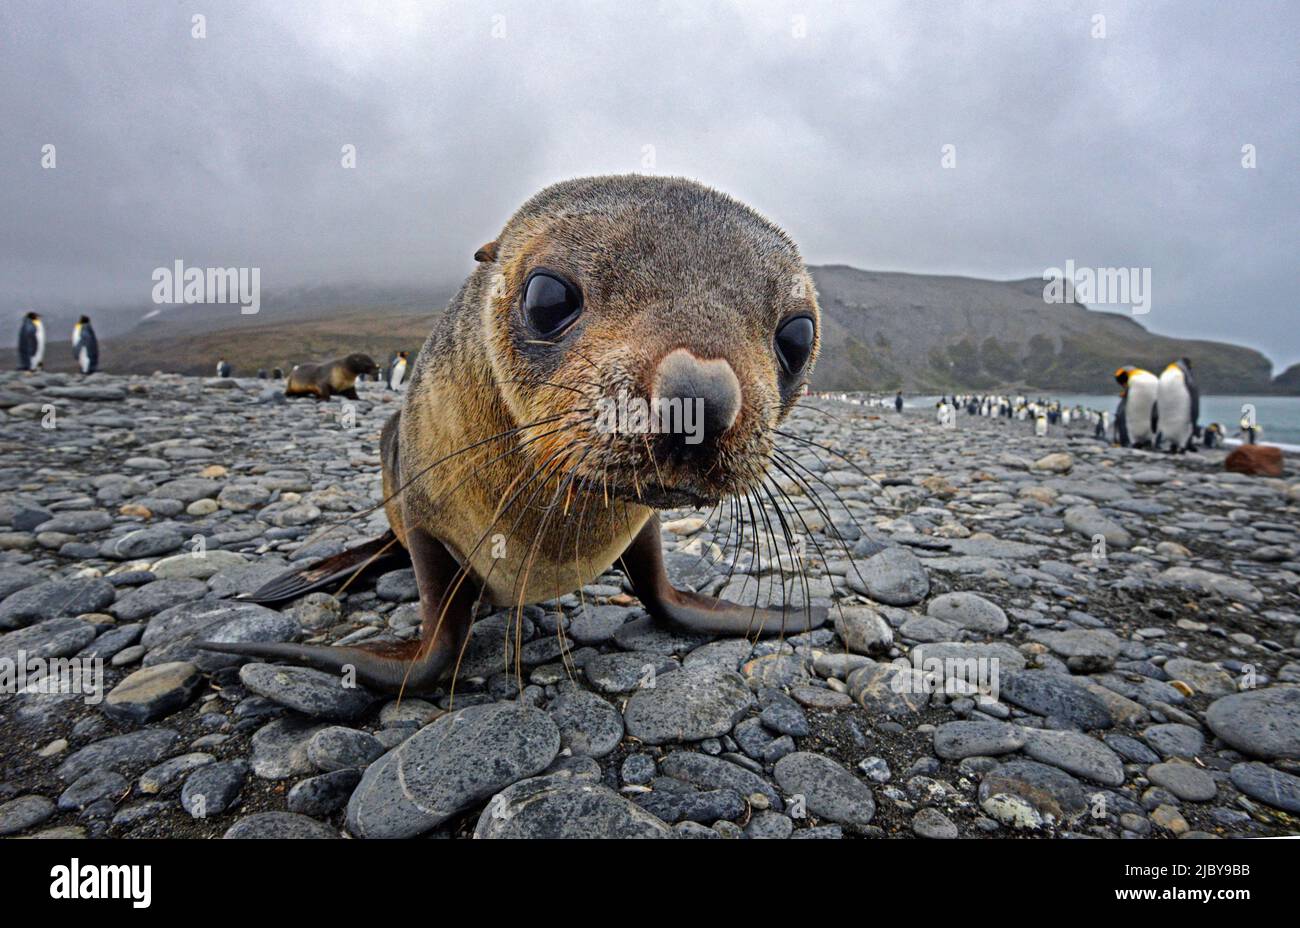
x=1160 y=413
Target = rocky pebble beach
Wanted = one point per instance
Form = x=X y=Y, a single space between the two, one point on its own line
x=1133 y=621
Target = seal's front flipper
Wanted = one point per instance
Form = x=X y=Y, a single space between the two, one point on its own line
x=643 y=562
x=381 y=554
x=447 y=600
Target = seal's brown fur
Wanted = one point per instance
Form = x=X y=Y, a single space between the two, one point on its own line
x=663 y=264
x=500 y=480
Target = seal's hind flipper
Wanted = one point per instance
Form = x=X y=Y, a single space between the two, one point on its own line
x=447 y=600
x=643 y=561
x=380 y=554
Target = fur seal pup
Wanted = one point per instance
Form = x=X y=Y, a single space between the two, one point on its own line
x=335 y=377
x=505 y=479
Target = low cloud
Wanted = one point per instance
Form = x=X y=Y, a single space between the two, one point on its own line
x=228 y=150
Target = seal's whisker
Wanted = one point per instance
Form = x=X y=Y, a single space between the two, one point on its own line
x=651 y=455
x=716 y=510
x=796 y=561
x=807 y=531
x=505 y=504
x=822 y=509
x=521 y=582
x=521 y=579
x=755 y=565
x=785 y=463
x=362 y=567
x=336 y=525
x=821 y=552
x=540 y=471
x=423 y=650
x=455 y=673
x=776 y=556
x=529 y=381
x=825 y=412
x=738 y=514
x=566 y=658
x=343 y=520
x=829 y=450
x=521 y=585
x=470 y=447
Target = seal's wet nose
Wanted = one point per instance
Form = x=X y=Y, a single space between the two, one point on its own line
x=707 y=393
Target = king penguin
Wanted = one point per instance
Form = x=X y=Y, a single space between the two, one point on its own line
x=85 y=346
x=223 y=367
x=1179 y=404
x=397 y=371
x=31 y=343
x=1136 y=415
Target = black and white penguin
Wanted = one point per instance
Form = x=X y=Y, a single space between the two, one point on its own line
x=1178 y=402
x=31 y=343
x=1213 y=436
x=1136 y=416
x=277 y=374
x=223 y=367
x=85 y=346
x=397 y=371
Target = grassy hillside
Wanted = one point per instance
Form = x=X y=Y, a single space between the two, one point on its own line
x=1288 y=381
x=881 y=331
x=378 y=332
x=190 y=340
x=921 y=333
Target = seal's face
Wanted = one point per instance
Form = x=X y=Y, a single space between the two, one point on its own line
x=663 y=328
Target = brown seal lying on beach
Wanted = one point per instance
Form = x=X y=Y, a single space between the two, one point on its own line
x=332 y=378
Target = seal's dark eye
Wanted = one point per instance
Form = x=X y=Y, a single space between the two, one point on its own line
x=550 y=304
x=794 y=342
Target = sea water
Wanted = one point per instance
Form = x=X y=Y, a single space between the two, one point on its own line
x=1279 y=416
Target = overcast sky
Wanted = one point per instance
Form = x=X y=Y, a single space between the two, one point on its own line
x=831 y=118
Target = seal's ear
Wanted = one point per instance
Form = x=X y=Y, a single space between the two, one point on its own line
x=487 y=254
